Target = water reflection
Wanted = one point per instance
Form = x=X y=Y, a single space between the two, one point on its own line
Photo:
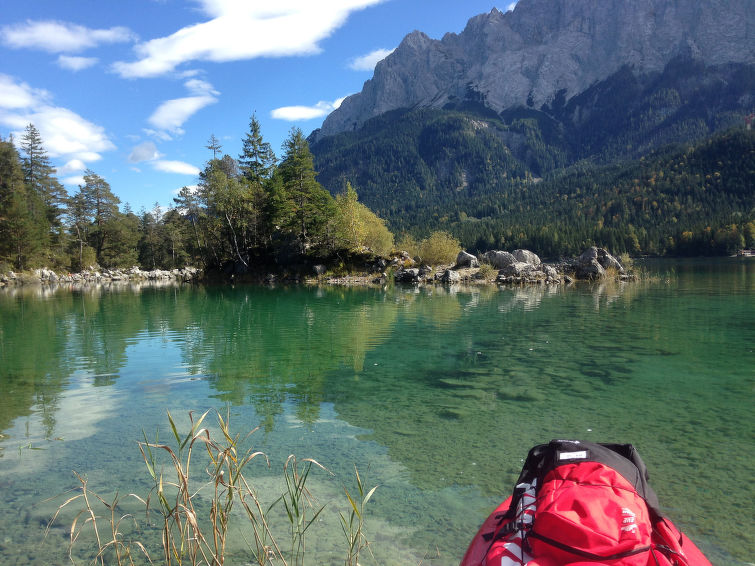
x=252 y=344
x=89 y=287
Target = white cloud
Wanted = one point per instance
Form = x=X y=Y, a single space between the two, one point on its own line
x=240 y=30
x=172 y=114
x=511 y=6
x=199 y=87
x=162 y=136
x=60 y=37
x=297 y=113
x=368 y=62
x=90 y=155
x=178 y=167
x=74 y=181
x=64 y=133
x=146 y=151
x=73 y=63
x=19 y=95
x=71 y=167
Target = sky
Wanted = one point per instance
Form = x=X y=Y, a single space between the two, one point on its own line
x=134 y=90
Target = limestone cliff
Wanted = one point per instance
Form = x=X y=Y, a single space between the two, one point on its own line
x=542 y=48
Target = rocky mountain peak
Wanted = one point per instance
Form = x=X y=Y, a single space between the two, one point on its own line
x=545 y=48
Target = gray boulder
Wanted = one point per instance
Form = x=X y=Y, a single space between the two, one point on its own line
x=526 y=256
x=550 y=272
x=410 y=275
x=465 y=259
x=499 y=259
x=450 y=276
x=521 y=269
x=424 y=270
x=601 y=256
x=590 y=269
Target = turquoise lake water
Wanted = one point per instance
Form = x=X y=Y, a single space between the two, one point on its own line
x=435 y=394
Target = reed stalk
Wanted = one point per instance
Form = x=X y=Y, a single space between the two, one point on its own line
x=200 y=489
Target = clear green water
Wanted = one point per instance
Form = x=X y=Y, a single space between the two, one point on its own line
x=435 y=395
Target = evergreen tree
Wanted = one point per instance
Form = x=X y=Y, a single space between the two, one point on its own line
x=39 y=176
x=151 y=239
x=122 y=240
x=188 y=208
x=21 y=240
x=229 y=205
x=308 y=205
x=177 y=238
x=213 y=144
x=46 y=197
x=257 y=164
x=96 y=206
x=82 y=255
x=257 y=160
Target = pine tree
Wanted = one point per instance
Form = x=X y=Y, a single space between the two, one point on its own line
x=20 y=238
x=256 y=160
x=96 y=207
x=213 y=144
x=187 y=203
x=310 y=206
x=39 y=176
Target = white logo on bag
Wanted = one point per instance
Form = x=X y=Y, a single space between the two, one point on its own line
x=628 y=521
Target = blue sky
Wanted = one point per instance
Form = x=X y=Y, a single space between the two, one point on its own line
x=133 y=90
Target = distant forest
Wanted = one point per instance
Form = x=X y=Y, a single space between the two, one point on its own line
x=696 y=199
x=256 y=211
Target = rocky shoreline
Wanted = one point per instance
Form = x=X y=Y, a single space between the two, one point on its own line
x=94 y=275
x=494 y=267
x=521 y=267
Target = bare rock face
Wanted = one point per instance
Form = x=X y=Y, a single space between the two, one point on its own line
x=548 y=49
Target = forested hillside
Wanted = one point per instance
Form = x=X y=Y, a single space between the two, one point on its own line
x=622 y=165
x=682 y=200
x=689 y=199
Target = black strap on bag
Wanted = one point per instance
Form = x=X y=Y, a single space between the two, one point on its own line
x=623 y=458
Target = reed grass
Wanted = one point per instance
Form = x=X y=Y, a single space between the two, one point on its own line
x=200 y=489
x=352 y=523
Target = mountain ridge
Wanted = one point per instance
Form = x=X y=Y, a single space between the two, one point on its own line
x=527 y=56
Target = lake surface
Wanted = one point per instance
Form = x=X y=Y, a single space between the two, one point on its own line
x=435 y=394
